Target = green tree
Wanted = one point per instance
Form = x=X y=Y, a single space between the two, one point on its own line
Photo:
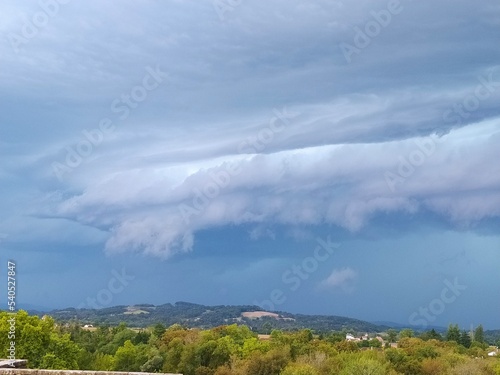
x=453 y=333
x=431 y=335
x=299 y=369
x=346 y=346
x=38 y=342
x=159 y=329
x=407 y=332
x=465 y=339
x=392 y=334
x=271 y=363
x=374 y=343
x=126 y=358
x=479 y=334
x=174 y=355
x=252 y=345
x=364 y=366
x=51 y=362
x=64 y=350
x=154 y=364
x=103 y=362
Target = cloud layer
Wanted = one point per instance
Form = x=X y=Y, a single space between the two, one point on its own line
x=260 y=118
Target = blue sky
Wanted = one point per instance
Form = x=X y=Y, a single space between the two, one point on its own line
x=206 y=151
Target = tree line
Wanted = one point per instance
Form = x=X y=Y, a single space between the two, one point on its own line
x=237 y=350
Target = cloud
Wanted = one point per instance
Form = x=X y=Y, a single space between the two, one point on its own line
x=361 y=142
x=340 y=278
x=346 y=185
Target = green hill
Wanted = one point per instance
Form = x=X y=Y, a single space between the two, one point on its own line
x=194 y=315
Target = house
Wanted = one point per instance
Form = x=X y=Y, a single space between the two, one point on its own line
x=380 y=339
x=350 y=337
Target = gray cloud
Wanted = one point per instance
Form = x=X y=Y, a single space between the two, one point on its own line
x=355 y=122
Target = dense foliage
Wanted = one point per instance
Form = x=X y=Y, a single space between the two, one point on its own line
x=201 y=316
x=237 y=350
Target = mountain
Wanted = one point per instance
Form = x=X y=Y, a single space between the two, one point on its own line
x=194 y=315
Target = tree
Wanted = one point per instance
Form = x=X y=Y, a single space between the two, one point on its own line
x=465 y=339
x=392 y=334
x=453 y=333
x=364 y=366
x=51 y=362
x=126 y=358
x=159 y=329
x=64 y=350
x=271 y=363
x=346 y=346
x=407 y=332
x=479 y=334
x=154 y=364
x=103 y=362
x=433 y=367
x=431 y=335
x=299 y=369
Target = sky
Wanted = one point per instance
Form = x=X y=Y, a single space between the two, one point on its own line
x=318 y=157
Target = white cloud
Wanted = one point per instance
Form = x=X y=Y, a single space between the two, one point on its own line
x=340 y=278
x=344 y=185
x=356 y=122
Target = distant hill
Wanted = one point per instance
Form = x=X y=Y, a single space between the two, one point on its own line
x=399 y=326
x=194 y=315
x=492 y=336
